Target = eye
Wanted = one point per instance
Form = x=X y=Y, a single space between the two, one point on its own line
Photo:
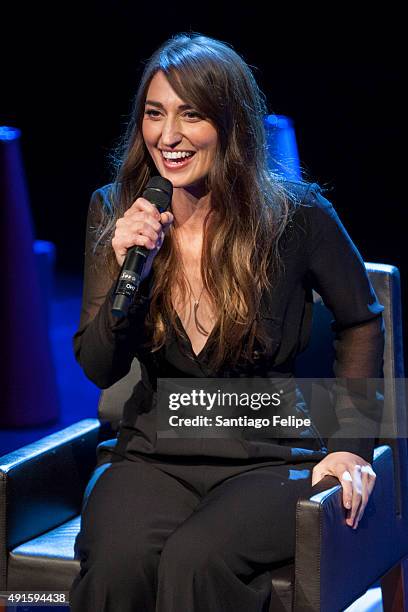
x=192 y=115
x=151 y=113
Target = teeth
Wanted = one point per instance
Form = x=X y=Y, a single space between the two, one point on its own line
x=176 y=154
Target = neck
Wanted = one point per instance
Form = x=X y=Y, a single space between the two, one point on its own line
x=189 y=212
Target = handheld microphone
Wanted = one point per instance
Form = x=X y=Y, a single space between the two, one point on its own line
x=159 y=192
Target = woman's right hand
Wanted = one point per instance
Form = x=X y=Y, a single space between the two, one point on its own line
x=141 y=225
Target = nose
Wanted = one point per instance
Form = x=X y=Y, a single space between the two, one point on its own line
x=171 y=134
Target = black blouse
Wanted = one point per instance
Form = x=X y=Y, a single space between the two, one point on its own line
x=317 y=254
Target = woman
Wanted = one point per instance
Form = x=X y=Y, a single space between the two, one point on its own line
x=197 y=524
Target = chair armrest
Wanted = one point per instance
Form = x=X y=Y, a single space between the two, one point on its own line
x=42 y=484
x=335 y=564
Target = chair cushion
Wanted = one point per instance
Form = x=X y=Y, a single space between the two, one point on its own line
x=104 y=452
x=46 y=562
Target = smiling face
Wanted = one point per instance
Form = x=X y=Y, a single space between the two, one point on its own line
x=181 y=142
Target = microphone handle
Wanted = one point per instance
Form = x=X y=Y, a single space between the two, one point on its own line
x=159 y=191
x=129 y=280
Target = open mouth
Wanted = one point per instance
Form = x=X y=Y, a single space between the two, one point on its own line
x=177 y=162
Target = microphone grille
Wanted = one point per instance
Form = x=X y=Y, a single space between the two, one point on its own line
x=159 y=192
x=159 y=182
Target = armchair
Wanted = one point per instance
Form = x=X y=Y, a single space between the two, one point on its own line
x=42 y=486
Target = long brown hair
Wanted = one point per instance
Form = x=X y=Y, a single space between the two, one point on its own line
x=250 y=206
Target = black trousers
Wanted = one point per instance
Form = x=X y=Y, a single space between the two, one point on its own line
x=185 y=534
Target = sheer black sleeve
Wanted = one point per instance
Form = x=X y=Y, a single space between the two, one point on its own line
x=338 y=274
x=104 y=345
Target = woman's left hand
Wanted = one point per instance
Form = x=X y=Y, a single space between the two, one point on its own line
x=356 y=476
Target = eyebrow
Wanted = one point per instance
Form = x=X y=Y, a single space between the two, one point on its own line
x=160 y=105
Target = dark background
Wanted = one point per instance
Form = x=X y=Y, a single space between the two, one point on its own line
x=69 y=77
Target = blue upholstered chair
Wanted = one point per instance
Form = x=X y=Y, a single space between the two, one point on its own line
x=42 y=486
